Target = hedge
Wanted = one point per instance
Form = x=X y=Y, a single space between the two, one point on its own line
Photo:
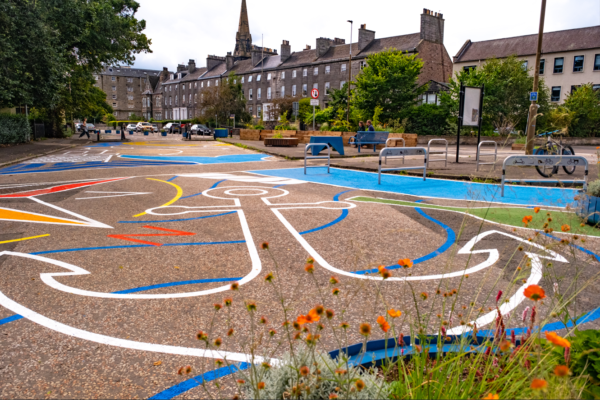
x=14 y=128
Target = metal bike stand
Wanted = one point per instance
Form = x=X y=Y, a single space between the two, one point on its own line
x=307 y=157
x=402 y=152
x=479 y=153
x=394 y=140
x=547 y=161
x=430 y=160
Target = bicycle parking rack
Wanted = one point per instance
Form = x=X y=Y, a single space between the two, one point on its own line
x=307 y=157
x=546 y=161
x=402 y=152
x=430 y=153
x=479 y=153
x=394 y=140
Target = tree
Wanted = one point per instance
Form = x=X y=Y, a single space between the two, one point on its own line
x=427 y=119
x=338 y=99
x=226 y=99
x=506 y=101
x=81 y=99
x=584 y=106
x=280 y=106
x=390 y=81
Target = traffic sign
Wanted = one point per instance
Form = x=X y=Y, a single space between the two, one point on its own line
x=314 y=93
x=314 y=102
x=533 y=96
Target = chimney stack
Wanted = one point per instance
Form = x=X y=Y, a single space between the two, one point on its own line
x=181 y=67
x=191 y=66
x=432 y=26
x=164 y=75
x=229 y=60
x=365 y=37
x=286 y=50
x=338 y=41
x=307 y=47
x=256 y=57
x=323 y=45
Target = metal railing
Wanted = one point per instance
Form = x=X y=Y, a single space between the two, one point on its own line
x=430 y=153
x=479 y=154
x=307 y=157
x=546 y=161
x=401 y=152
x=387 y=143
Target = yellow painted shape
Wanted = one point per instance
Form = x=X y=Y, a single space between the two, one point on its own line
x=14 y=215
x=179 y=194
x=27 y=238
x=223 y=144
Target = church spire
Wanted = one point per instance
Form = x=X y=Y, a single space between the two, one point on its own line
x=243 y=43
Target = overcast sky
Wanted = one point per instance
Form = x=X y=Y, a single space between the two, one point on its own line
x=192 y=29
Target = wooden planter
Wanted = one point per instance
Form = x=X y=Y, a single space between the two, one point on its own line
x=285 y=142
x=517 y=146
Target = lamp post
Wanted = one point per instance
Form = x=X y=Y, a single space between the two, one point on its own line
x=349 y=71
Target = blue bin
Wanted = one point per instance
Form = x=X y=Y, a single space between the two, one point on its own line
x=185 y=134
x=131 y=132
x=164 y=133
x=108 y=131
x=221 y=133
x=589 y=208
x=146 y=133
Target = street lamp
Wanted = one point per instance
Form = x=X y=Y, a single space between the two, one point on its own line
x=349 y=71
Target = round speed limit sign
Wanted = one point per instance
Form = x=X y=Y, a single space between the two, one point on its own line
x=314 y=93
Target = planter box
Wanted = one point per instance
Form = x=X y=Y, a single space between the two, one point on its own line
x=589 y=208
x=517 y=146
x=285 y=142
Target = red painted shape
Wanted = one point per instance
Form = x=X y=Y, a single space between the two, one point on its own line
x=56 y=189
x=128 y=237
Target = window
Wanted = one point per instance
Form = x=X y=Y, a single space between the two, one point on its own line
x=113 y=78
x=129 y=105
x=327 y=70
x=250 y=94
x=316 y=71
x=469 y=68
x=363 y=64
x=343 y=67
x=195 y=98
x=250 y=79
x=555 y=93
x=305 y=72
x=293 y=73
x=258 y=78
x=293 y=90
x=143 y=102
x=114 y=105
x=130 y=98
x=159 y=116
x=342 y=83
x=201 y=84
x=525 y=65
x=183 y=99
x=166 y=101
x=304 y=90
x=176 y=100
x=129 y=80
x=258 y=93
x=283 y=75
x=597 y=63
x=207 y=83
x=596 y=87
x=114 y=96
x=195 y=85
x=216 y=83
x=259 y=109
x=157 y=101
x=269 y=93
x=235 y=81
x=96 y=77
x=250 y=110
x=574 y=88
x=114 y=88
x=327 y=86
x=170 y=101
x=170 y=88
x=130 y=89
x=542 y=66
x=268 y=77
x=316 y=86
x=578 y=63
x=282 y=91
x=190 y=86
x=558 y=65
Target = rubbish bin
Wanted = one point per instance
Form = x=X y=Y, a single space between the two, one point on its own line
x=221 y=133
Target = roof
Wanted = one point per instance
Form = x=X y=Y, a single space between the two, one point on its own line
x=129 y=72
x=216 y=72
x=194 y=75
x=554 y=42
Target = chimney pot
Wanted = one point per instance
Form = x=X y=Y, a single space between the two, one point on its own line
x=365 y=37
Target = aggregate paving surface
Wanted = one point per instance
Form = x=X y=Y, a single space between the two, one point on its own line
x=103 y=329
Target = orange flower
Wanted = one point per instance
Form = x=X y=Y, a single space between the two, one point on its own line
x=534 y=292
x=265 y=245
x=394 y=314
x=269 y=277
x=309 y=318
x=565 y=228
x=310 y=268
x=491 y=396
x=424 y=296
x=557 y=340
x=333 y=280
x=407 y=263
x=383 y=323
x=539 y=384
x=365 y=329
x=261 y=385
x=360 y=385
x=505 y=345
x=536 y=210
x=230 y=332
x=235 y=286
x=329 y=313
x=561 y=370
x=335 y=291
x=304 y=371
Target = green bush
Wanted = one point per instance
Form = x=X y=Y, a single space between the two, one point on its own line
x=14 y=128
x=594 y=188
x=427 y=119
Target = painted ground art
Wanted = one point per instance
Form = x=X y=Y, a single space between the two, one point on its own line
x=108 y=274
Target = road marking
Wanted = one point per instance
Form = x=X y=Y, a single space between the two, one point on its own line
x=177 y=197
x=112 y=194
x=129 y=237
x=27 y=238
x=7 y=214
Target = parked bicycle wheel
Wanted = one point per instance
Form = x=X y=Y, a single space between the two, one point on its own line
x=568 y=151
x=544 y=171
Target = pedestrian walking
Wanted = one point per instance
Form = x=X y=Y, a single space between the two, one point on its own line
x=84 y=129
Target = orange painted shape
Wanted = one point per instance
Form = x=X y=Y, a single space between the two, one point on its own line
x=14 y=215
x=129 y=237
x=56 y=189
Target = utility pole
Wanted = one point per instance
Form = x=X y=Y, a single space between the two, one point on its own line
x=536 y=82
x=349 y=72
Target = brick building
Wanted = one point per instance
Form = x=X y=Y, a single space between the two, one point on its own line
x=266 y=74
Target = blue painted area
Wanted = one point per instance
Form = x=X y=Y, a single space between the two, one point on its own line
x=15 y=317
x=200 y=194
x=176 y=220
x=335 y=221
x=450 y=239
x=58 y=167
x=106 y=144
x=182 y=283
x=173 y=178
x=275 y=187
x=586 y=251
x=232 y=159
x=199 y=380
x=135 y=246
x=436 y=188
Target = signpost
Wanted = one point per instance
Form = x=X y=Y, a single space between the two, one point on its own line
x=533 y=96
x=232 y=116
x=314 y=102
x=470 y=112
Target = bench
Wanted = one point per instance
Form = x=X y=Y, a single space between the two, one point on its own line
x=373 y=138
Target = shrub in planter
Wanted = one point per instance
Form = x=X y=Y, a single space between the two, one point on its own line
x=589 y=203
x=14 y=128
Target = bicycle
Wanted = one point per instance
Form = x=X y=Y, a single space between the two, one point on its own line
x=552 y=148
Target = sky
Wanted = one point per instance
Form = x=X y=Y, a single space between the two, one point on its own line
x=181 y=30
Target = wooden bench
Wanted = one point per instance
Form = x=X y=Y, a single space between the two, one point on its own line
x=367 y=138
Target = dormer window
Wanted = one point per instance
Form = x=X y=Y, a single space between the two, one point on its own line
x=171 y=76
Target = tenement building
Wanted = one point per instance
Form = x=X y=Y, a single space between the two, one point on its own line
x=267 y=74
x=570 y=58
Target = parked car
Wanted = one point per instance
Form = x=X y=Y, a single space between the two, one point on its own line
x=131 y=127
x=155 y=127
x=144 y=126
x=201 y=130
x=90 y=127
x=172 y=125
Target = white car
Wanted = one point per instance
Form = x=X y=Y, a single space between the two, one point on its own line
x=175 y=126
x=144 y=126
x=131 y=127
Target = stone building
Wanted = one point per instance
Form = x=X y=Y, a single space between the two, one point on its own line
x=266 y=74
x=569 y=58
